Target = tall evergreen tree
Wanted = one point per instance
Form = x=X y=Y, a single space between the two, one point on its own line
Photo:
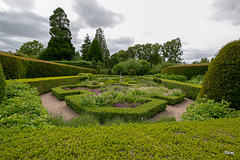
x=99 y=36
x=95 y=52
x=85 y=47
x=59 y=46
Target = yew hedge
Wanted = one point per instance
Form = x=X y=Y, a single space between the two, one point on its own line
x=15 y=67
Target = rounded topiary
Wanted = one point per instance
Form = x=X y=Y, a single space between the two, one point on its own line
x=132 y=72
x=2 y=83
x=109 y=72
x=222 y=80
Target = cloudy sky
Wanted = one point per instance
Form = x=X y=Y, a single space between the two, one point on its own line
x=204 y=26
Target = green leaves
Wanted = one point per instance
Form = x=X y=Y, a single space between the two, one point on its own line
x=184 y=140
x=204 y=109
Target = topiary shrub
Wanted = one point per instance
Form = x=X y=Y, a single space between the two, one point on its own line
x=2 y=83
x=132 y=72
x=222 y=80
x=109 y=72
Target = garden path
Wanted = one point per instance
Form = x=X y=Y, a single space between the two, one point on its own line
x=173 y=111
x=59 y=108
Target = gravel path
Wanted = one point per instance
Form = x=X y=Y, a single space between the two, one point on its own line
x=173 y=111
x=59 y=108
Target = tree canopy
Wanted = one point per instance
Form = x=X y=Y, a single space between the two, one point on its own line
x=85 y=47
x=95 y=52
x=59 y=46
x=32 y=48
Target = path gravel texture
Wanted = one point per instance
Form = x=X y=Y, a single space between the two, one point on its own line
x=59 y=108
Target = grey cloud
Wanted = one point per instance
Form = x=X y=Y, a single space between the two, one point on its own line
x=16 y=26
x=227 y=10
x=24 y=24
x=20 y=4
x=92 y=14
x=121 y=43
x=191 y=55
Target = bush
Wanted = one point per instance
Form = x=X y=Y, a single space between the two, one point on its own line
x=157 y=68
x=196 y=79
x=204 y=109
x=44 y=85
x=118 y=69
x=187 y=70
x=179 y=78
x=109 y=72
x=191 y=90
x=2 y=83
x=19 y=67
x=222 y=80
x=22 y=107
x=145 y=67
x=132 y=72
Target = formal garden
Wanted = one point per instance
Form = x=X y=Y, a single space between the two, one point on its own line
x=113 y=111
x=139 y=103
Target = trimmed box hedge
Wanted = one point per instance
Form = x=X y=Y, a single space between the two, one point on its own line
x=191 y=90
x=171 y=100
x=44 y=85
x=187 y=70
x=61 y=92
x=215 y=139
x=144 y=111
x=15 y=67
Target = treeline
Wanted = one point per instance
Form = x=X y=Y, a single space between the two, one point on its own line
x=153 y=53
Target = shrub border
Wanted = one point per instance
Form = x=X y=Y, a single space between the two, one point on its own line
x=144 y=111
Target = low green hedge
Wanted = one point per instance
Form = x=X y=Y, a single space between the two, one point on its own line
x=144 y=111
x=15 y=67
x=215 y=139
x=44 y=85
x=171 y=100
x=187 y=70
x=191 y=90
x=61 y=92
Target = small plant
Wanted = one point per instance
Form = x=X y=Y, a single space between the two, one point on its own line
x=196 y=79
x=204 y=109
x=82 y=120
x=132 y=72
x=95 y=82
x=109 y=72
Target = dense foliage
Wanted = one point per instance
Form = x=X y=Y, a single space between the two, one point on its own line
x=22 y=107
x=32 y=48
x=59 y=46
x=187 y=70
x=180 y=78
x=19 y=67
x=185 y=140
x=141 y=67
x=99 y=36
x=85 y=47
x=222 y=80
x=2 y=84
x=95 y=53
x=204 y=109
x=191 y=90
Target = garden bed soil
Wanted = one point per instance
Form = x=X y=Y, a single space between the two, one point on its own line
x=59 y=108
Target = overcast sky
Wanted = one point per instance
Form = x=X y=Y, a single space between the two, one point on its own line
x=203 y=26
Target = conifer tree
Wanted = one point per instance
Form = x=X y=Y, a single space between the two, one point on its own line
x=59 y=46
x=99 y=36
x=85 y=47
x=95 y=52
